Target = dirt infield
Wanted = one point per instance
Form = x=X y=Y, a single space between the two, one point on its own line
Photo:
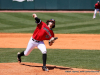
x=35 y=69
x=65 y=41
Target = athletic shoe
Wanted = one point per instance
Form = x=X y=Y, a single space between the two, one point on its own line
x=18 y=57
x=44 y=68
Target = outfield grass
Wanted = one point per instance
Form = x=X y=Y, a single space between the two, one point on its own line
x=65 y=22
x=88 y=59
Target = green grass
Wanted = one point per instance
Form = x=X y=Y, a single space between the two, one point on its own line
x=87 y=59
x=72 y=23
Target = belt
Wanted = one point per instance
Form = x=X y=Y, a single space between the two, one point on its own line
x=35 y=40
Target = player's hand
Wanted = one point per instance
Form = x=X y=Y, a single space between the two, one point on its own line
x=34 y=15
x=51 y=41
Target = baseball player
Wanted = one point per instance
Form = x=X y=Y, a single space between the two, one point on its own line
x=42 y=32
x=97 y=8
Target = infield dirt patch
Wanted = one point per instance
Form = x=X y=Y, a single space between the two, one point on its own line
x=64 y=41
x=35 y=69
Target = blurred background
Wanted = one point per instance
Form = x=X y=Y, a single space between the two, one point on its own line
x=47 y=4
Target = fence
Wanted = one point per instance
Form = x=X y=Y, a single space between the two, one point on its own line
x=47 y=4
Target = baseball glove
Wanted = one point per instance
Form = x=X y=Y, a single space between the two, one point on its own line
x=51 y=41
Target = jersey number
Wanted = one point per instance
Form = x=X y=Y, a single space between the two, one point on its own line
x=47 y=36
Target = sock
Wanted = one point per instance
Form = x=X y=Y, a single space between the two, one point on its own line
x=44 y=59
x=21 y=54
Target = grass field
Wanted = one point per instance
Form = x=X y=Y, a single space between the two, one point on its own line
x=72 y=23
x=65 y=22
x=70 y=58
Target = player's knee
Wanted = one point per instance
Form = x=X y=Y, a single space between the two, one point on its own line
x=26 y=54
x=44 y=52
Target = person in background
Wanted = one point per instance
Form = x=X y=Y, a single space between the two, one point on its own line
x=97 y=8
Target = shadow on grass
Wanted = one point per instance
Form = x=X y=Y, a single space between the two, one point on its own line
x=50 y=67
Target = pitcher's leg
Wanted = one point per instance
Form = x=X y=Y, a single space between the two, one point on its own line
x=42 y=48
x=19 y=56
x=29 y=48
x=31 y=45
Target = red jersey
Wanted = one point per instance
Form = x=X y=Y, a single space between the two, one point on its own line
x=42 y=32
x=97 y=6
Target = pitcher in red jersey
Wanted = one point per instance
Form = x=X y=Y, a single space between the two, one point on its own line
x=97 y=8
x=42 y=32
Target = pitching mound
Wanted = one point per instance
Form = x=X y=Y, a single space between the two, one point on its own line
x=36 y=69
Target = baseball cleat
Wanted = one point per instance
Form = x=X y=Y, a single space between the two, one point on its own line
x=44 y=68
x=18 y=57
